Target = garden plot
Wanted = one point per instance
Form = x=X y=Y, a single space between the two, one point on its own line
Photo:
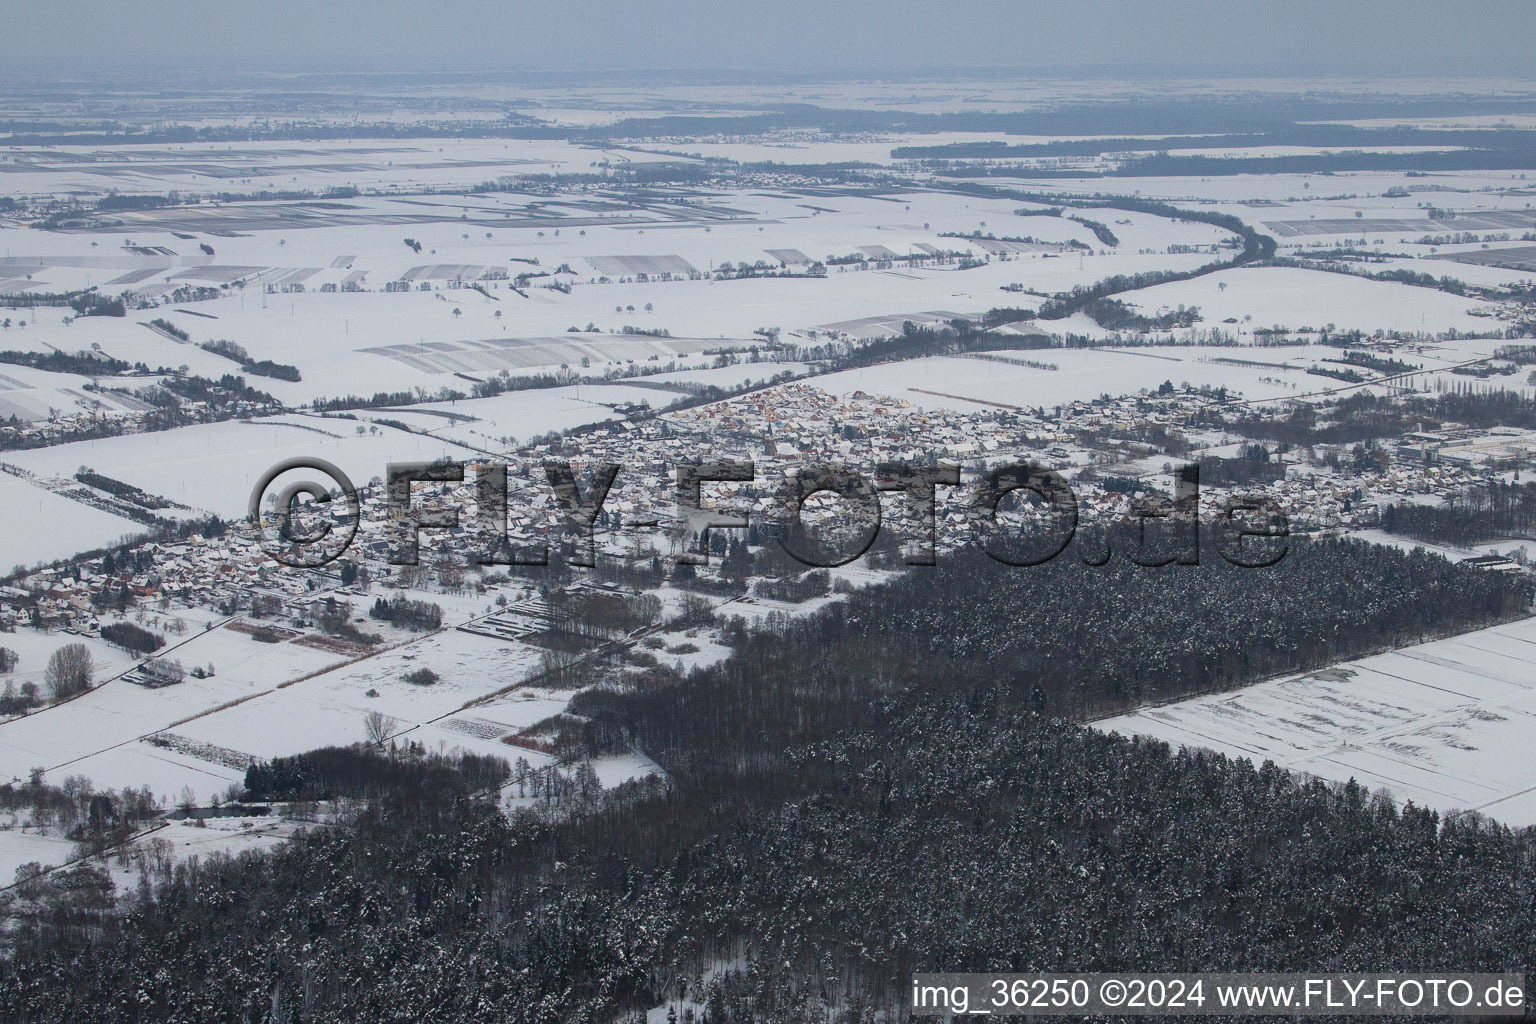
x=1445 y=724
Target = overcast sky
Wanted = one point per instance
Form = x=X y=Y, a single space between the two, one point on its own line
x=1406 y=38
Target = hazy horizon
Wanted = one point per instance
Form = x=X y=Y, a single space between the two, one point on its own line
x=1410 y=39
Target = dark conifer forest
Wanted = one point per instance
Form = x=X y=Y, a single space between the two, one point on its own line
x=901 y=782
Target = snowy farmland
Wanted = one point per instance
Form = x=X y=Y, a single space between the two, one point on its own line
x=213 y=466
x=41 y=525
x=1295 y=298
x=319 y=164
x=968 y=384
x=303 y=283
x=270 y=699
x=329 y=708
x=33 y=648
x=305 y=287
x=517 y=416
x=1446 y=724
x=20 y=846
x=30 y=394
x=100 y=734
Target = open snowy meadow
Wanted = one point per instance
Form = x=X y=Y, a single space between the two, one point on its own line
x=1445 y=724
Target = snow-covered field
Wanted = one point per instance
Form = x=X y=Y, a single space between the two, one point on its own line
x=360 y=342
x=20 y=846
x=41 y=525
x=515 y=417
x=1312 y=298
x=1311 y=193
x=213 y=466
x=271 y=699
x=33 y=648
x=319 y=164
x=1445 y=724
x=182 y=840
x=329 y=708
x=967 y=384
x=31 y=395
x=98 y=735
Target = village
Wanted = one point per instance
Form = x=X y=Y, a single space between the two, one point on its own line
x=1098 y=445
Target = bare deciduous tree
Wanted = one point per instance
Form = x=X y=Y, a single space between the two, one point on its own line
x=378 y=726
x=69 y=671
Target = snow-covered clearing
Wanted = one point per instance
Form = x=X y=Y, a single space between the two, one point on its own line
x=18 y=847
x=1445 y=724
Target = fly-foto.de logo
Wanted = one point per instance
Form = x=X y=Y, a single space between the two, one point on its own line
x=1019 y=514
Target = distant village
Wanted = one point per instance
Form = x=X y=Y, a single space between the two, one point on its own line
x=1112 y=450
